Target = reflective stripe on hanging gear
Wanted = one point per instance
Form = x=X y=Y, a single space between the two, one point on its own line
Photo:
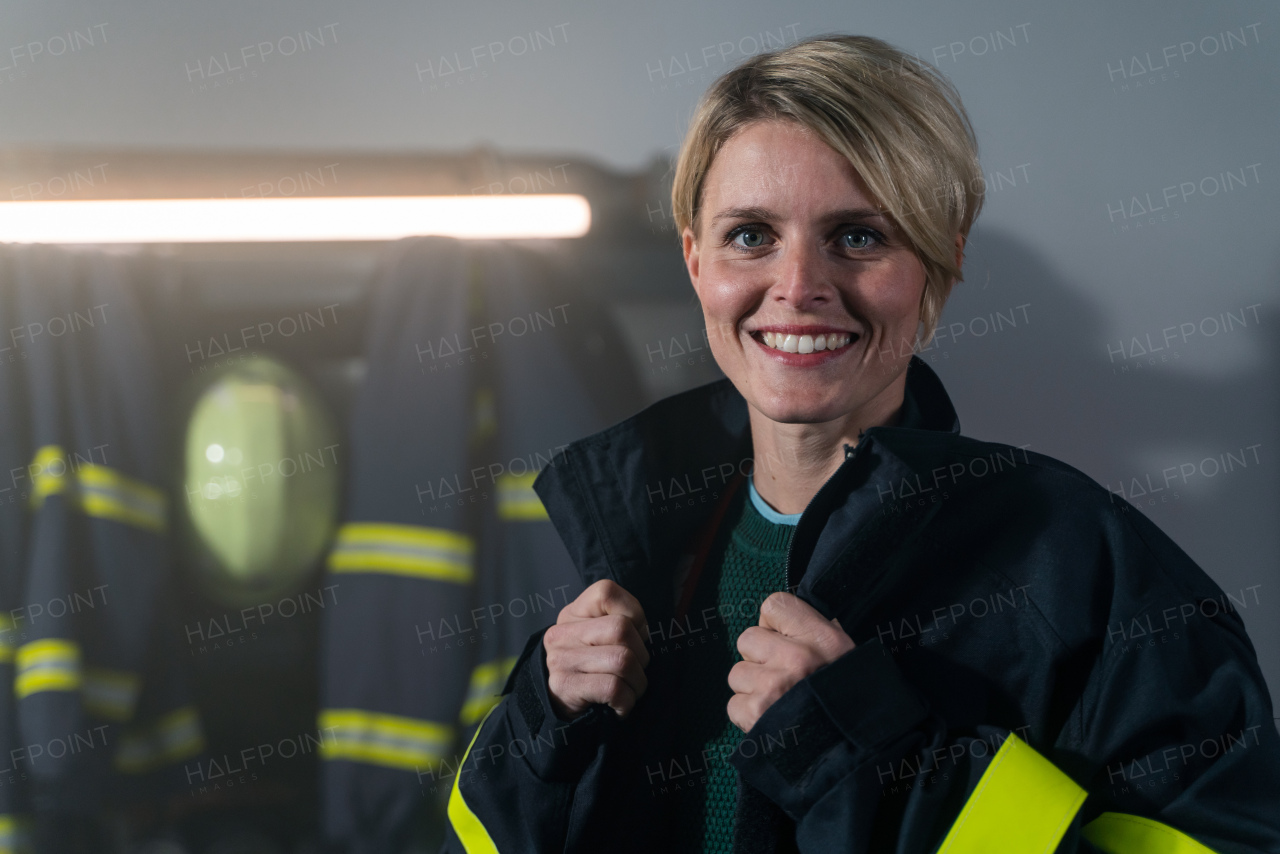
x=49 y=474
x=108 y=494
x=389 y=741
x=436 y=554
x=1022 y=803
x=110 y=694
x=8 y=639
x=171 y=738
x=52 y=664
x=15 y=834
x=517 y=502
x=471 y=831
x=1119 y=833
x=97 y=490
x=485 y=689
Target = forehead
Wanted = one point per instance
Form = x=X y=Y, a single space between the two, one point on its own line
x=780 y=164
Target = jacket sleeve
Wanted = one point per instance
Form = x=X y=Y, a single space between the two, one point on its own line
x=514 y=787
x=859 y=762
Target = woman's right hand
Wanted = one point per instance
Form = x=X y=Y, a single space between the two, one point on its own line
x=595 y=652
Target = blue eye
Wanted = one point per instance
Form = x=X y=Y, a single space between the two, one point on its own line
x=752 y=238
x=862 y=238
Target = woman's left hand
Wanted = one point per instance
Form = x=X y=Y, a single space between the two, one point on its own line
x=791 y=641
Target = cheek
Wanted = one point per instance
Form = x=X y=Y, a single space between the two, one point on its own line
x=724 y=302
x=723 y=285
x=897 y=303
x=904 y=311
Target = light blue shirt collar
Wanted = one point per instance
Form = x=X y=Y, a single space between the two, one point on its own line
x=768 y=512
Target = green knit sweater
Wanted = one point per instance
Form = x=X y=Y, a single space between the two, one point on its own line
x=746 y=563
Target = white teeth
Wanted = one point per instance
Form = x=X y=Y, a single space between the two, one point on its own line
x=806 y=343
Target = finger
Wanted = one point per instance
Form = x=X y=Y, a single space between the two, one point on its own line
x=603 y=598
x=740 y=711
x=760 y=645
x=620 y=661
x=790 y=615
x=586 y=689
x=616 y=600
x=588 y=603
x=744 y=677
x=606 y=631
x=597 y=631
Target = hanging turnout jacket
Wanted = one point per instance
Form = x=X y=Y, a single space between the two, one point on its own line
x=15 y=455
x=446 y=559
x=101 y=702
x=1037 y=666
x=540 y=403
x=403 y=552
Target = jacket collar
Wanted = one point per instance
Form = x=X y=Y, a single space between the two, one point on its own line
x=629 y=500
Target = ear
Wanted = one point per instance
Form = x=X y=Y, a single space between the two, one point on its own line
x=689 y=245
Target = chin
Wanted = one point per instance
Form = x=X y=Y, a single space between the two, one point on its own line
x=784 y=408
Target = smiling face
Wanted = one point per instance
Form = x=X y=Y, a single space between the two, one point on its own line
x=811 y=296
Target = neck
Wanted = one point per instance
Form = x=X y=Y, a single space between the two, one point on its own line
x=793 y=461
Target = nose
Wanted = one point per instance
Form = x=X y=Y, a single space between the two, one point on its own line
x=802 y=278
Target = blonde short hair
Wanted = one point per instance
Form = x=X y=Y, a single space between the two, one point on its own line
x=896 y=119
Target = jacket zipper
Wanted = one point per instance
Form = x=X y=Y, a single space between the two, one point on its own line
x=849 y=452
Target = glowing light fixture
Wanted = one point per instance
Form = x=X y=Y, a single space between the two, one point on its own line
x=293 y=219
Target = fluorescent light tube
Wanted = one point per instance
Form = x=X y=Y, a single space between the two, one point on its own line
x=293 y=219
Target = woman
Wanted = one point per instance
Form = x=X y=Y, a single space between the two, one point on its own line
x=820 y=619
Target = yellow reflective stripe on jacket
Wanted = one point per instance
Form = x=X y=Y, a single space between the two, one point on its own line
x=108 y=494
x=392 y=741
x=1022 y=803
x=49 y=472
x=418 y=552
x=1119 y=833
x=517 y=502
x=52 y=664
x=7 y=639
x=110 y=694
x=174 y=737
x=15 y=834
x=485 y=689
x=471 y=831
x=97 y=490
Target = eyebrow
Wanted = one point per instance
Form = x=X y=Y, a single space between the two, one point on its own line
x=759 y=213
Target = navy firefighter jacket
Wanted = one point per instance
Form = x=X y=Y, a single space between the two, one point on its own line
x=1037 y=666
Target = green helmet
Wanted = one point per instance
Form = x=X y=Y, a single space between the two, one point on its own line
x=261 y=479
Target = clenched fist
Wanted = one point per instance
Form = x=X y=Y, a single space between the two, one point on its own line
x=792 y=641
x=595 y=652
